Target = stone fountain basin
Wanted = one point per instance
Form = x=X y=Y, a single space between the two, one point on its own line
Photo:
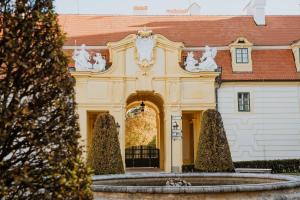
x=204 y=186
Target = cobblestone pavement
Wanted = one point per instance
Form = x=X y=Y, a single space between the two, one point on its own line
x=142 y=170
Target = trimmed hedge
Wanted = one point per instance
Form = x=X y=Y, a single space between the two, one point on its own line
x=277 y=166
x=189 y=168
x=104 y=154
x=213 y=153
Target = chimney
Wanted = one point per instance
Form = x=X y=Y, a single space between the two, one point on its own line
x=140 y=10
x=194 y=9
x=256 y=8
x=177 y=12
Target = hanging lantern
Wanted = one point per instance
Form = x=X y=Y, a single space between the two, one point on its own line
x=142 y=106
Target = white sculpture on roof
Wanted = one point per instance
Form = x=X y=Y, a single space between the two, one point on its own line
x=100 y=63
x=191 y=63
x=82 y=59
x=207 y=62
x=145 y=43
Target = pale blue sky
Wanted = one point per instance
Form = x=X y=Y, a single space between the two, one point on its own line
x=209 y=7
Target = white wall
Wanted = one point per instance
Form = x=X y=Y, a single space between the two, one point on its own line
x=272 y=129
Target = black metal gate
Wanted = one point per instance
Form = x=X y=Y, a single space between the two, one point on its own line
x=142 y=156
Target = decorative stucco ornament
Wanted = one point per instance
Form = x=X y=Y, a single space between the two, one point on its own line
x=191 y=64
x=208 y=59
x=207 y=62
x=99 y=64
x=82 y=59
x=145 y=43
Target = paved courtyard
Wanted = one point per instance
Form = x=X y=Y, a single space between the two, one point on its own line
x=143 y=170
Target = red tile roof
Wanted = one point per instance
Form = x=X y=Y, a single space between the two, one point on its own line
x=268 y=65
x=191 y=30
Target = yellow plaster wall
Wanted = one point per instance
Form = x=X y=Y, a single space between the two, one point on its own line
x=191 y=123
x=180 y=90
x=188 y=139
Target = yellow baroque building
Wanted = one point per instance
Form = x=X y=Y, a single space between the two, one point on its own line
x=249 y=71
x=165 y=86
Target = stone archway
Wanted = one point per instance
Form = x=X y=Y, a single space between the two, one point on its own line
x=155 y=102
x=141 y=124
x=162 y=82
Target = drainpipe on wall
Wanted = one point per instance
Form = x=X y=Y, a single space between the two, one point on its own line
x=218 y=85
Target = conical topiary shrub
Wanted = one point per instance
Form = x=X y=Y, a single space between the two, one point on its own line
x=104 y=154
x=213 y=153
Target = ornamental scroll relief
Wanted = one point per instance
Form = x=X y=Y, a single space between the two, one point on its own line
x=144 y=44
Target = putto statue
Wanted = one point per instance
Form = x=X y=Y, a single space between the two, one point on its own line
x=191 y=63
x=82 y=59
x=207 y=62
x=100 y=63
x=207 y=59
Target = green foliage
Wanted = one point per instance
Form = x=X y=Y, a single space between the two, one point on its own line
x=40 y=156
x=104 y=154
x=188 y=168
x=277 y=166
x=141 y=129
x=153 y=142
x=213 y=153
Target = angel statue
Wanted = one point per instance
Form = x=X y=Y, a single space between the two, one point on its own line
x=190 y=62
x=82 y=59
x=207 y=60
x=100 y=63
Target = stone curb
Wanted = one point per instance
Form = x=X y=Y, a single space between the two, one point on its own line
x=286 y=183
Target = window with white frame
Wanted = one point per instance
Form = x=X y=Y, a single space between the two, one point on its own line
x=244 y=101
x=241 y=55
x=241 y=58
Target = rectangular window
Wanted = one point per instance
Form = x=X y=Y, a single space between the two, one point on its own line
x=241 y=55
x=243 y=101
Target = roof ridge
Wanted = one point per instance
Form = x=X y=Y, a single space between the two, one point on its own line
x=195 y=16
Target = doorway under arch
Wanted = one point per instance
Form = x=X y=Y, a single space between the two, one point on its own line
x=153 y=105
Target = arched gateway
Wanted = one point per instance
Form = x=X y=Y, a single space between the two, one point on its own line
x=146 y=66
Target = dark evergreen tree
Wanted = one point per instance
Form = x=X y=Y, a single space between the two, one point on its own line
x=213 y=153
x=104 y=154
x=40 y=157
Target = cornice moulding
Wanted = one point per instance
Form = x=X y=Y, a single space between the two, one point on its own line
x=194 y=48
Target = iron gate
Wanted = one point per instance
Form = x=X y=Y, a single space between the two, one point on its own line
x=142 y=156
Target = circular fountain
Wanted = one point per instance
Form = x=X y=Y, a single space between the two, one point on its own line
x=202 y=186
